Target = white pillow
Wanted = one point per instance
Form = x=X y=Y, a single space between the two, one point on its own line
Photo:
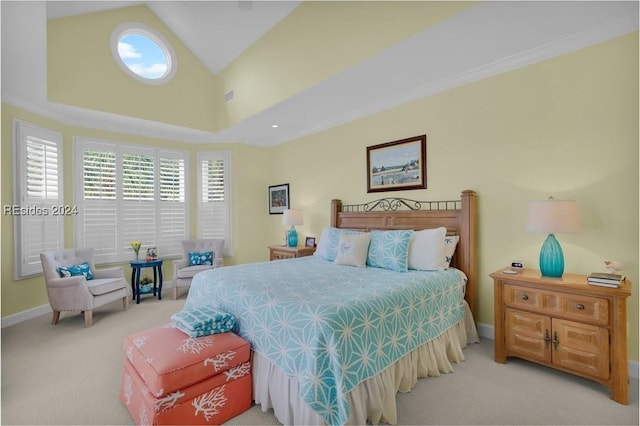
x=353 y=249
x=426 y=249
x=450 y=244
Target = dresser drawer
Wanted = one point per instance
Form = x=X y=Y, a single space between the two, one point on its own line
x=589 y=309
x=586 y=308
x=533 y=299
x=279 y=255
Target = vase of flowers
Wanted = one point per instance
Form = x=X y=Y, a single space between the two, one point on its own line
x=135 y=246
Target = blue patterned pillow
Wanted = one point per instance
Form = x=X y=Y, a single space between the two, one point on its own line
x=76 y=270
x=328 y=243
x=204 y=258
x=389 y=249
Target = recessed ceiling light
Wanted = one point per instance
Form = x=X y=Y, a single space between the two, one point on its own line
x=275 y=126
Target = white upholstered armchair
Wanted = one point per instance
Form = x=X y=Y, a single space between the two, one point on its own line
x=76 y=293
x=184 y=270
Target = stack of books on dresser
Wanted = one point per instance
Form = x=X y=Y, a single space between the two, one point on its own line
x=604 y=279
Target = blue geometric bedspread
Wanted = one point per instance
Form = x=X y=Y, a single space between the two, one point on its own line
x=331 y=326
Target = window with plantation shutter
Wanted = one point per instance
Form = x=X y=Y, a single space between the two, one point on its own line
x=38 y=210
x=214 y=201
x=130 y=193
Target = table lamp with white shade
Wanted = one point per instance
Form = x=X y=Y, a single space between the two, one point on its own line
x=552 y=216
x=292 y=217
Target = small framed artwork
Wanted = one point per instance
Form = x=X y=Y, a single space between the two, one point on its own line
x=397 y=165
x=310 y=242
x=152 y=253
x=278 y=198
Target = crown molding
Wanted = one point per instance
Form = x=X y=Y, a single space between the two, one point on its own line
x=98 y=120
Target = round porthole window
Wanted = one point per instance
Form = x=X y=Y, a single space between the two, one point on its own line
x=143 y=53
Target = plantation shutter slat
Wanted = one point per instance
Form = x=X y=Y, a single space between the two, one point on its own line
x=99 y=203
x=138 y=194
x=173 y=209
x=213 y=199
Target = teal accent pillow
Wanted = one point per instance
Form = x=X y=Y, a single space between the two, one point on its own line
x=200 y=258
x=76 y=270
x=329 y=239
x=390 y=249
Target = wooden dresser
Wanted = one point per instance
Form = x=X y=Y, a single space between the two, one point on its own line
x=284 y=252
x=564 y=323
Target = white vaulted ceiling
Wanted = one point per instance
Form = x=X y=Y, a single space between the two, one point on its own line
x=216 y=31
x=484 y=40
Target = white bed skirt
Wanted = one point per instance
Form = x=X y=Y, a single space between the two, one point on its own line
x=373 y=400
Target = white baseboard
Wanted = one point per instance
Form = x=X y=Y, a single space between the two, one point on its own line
x=487 y=331
x=26 y=315
x=14 y=319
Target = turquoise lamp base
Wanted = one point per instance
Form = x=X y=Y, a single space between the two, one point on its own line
x=551 y=258
x=292 y=237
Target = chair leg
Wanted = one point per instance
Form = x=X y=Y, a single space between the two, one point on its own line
x=175 y=293
x=125 y=303
x=88 y=318
x=56 y=317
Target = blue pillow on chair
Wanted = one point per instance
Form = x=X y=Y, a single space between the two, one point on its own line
x=76 y=270
x=204 y=258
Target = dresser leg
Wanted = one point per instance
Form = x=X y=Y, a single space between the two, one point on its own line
x=620 y=390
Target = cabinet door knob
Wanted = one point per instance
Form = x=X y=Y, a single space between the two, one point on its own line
x=580 y=307
x=525 y=297
x=547 y=339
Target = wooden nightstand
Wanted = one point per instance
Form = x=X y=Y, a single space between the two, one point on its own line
x=564 y=323
x=284 y=252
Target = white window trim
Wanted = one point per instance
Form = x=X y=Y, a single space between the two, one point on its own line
x=156 y=37
x=226 y=157
x=79 y=142
x=21 y=130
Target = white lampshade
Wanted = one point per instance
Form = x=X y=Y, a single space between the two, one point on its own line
x=292 y=217
x=551 y=216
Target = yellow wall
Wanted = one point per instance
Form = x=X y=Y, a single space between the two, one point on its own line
x=248 y=168
x=567 y=127
x=81 y=71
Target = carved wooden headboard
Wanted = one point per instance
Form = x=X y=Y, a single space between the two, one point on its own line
x=458 y=216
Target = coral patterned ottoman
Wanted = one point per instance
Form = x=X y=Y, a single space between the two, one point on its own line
x=171 y=378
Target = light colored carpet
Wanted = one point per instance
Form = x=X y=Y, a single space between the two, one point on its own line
x=68 y=374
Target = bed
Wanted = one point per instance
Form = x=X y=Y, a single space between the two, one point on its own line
x=333 y=343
